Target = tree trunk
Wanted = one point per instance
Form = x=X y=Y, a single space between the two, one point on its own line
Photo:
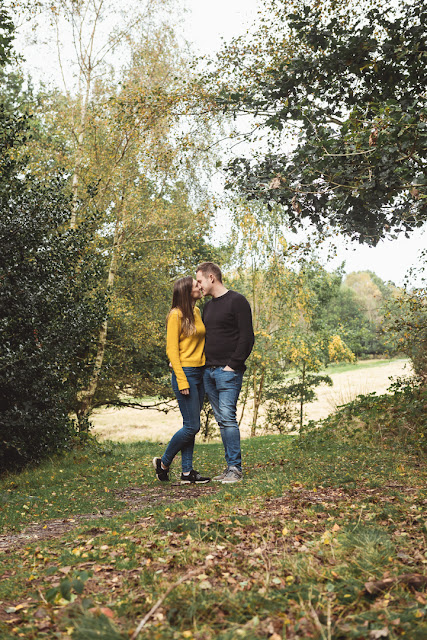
x=245 y=399
x=257 y=402
x=301 y=412
x=86 y=396
x=79 y=152
x=206 y=427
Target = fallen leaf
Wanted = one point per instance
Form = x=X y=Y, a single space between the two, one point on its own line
x=413 y=580
x=378 y=633
x=205 y=584
x=376 y=587
x=97 y=611
x=65 y=569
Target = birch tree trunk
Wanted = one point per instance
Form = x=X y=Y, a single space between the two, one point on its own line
x=258 y=392
x=79 y=152
x=301 y=412
x=86 y=396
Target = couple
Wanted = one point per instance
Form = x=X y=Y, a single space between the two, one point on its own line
x=207 y=355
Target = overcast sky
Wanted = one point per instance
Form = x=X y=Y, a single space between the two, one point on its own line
x=207 y=25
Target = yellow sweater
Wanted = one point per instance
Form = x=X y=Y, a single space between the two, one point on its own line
x=185 y=351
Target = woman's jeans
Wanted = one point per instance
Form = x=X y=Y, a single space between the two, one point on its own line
x=190 y=406
x=223 y=389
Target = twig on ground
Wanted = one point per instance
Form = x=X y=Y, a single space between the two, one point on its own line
x=316 y=620
x=162 y=599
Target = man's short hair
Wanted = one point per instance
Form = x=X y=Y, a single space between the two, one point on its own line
x=210 y=267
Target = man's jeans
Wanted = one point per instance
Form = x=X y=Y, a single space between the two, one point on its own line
x=190 y=407
x=223 y=388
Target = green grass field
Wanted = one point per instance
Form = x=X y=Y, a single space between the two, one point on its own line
x=343 y=367
x=325 y=538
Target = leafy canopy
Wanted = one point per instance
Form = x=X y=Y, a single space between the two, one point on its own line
x=342 y=90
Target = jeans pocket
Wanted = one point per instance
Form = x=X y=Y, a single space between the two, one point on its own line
x=230 y=374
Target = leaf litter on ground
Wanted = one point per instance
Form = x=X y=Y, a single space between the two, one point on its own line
x=315 y=543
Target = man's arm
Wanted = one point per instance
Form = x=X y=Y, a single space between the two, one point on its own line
x=243 y=314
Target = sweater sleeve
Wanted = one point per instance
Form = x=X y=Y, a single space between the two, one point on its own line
x=172 y=349
x=246 y=339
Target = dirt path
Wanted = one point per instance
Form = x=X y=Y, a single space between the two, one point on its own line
x=134 y=425
x=134 y=498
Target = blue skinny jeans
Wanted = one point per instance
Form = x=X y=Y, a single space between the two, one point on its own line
x=190 y=406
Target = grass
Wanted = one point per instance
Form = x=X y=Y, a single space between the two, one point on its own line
x=343 y=367
x=287 y=553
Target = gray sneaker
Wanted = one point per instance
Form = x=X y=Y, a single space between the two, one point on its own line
x=233 y=475
x=221 y=476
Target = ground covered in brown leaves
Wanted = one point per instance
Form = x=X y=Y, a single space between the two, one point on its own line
x=323 y=542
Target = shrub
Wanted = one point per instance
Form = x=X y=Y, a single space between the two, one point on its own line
x=48 y=311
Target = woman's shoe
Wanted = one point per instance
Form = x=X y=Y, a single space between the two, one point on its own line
x=161 y=474
x=194 y=477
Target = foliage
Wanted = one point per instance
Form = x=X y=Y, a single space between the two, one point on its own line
x=48 y=318
x=7 y=35
x=121 y=135
x=346 y=311
x=399 y=416
x=166 y=239
x=342 y=87
x=311 y=343
x=48 y=311
x=280 y=413
x=288 y=292
x=406 y=321
x=354 y=307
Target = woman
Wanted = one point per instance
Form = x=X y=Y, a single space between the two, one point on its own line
x=185 y=350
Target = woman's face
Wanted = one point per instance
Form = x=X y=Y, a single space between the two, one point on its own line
x=196 y=291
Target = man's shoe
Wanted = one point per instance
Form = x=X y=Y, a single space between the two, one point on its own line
x=221 y=476
x=161 y=474
x=233 y=475
x=194 y=477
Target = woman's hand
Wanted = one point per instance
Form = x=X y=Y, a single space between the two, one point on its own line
x=185 y=392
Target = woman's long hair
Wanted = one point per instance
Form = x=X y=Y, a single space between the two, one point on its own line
x=183 y=300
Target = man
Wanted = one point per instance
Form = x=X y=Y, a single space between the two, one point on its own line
x=229 y=341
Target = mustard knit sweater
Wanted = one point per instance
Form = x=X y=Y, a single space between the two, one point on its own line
x=185 y=351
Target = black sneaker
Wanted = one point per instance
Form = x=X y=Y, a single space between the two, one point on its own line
x=193 y=477
x=161 y=474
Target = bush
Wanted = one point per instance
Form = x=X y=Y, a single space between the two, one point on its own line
x=48 y=317
x=398 y=418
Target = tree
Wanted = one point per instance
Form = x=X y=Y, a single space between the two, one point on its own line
x=263 y=275
x=118 y=135
x=7 y=34
x=49 y=316
x=341 y=86
x=288 y=293
x=313 y=344
x=406 y=319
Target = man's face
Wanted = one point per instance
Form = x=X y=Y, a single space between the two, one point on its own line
x=205 y=281
x=196 y=291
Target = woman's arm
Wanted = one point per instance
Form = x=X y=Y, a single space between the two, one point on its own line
x=172 y=349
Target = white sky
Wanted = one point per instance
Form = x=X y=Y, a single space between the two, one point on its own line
x=206 y=25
